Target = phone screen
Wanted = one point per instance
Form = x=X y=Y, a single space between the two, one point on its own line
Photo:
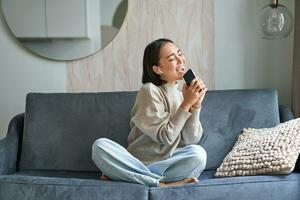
x=188 y=77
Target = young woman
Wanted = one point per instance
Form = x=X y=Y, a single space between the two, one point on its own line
x=165 y=126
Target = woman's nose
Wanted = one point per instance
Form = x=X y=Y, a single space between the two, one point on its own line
x=180 y=60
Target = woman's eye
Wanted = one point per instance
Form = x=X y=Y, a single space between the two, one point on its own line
x=171 y=59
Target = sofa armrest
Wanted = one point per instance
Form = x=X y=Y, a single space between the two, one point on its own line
x=10 y=146
x=285 y=113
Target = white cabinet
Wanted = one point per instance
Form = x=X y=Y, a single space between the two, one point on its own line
x=47 y=18
x=27 y=19
x=66 y=18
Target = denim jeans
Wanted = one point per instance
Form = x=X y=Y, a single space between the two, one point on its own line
x=118 y=164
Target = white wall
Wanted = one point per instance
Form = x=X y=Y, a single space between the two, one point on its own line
x=245 y=60
x=22 y=72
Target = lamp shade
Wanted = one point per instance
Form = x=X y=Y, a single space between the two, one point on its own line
x=275 y=21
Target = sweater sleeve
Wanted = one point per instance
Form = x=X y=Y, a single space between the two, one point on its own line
x=192 y=130
x=151 y=117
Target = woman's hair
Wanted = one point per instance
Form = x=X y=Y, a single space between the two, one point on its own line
x=152 y=57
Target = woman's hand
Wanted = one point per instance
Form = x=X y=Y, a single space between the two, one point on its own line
x=192 y=97
x=203 y=90
x=198 y=104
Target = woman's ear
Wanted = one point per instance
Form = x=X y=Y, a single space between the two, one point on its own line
x=157 y=69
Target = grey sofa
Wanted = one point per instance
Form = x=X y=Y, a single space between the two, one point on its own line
x=47 y=151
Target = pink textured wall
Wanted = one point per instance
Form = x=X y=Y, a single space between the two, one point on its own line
x=118 y=67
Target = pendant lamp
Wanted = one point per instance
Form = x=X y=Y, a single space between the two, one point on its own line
x=276 y=21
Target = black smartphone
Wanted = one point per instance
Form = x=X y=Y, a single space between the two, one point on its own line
x=188 y=77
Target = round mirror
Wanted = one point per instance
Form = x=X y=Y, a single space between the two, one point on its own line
x=64 y=29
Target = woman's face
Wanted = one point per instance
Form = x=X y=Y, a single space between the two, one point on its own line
x=171 y=64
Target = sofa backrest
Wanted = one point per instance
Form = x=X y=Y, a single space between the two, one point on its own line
x=59 y=129
x=225 y=114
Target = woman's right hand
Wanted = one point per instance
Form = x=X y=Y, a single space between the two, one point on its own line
x=191 y=94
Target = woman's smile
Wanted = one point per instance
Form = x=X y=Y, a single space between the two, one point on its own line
x=181 y=70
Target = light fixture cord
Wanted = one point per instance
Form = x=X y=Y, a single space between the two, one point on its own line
x=274 y=3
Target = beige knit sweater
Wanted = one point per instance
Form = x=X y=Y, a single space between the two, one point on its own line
x=159 y=125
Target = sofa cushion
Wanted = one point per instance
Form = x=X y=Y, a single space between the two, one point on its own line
x=14 y=187
x=225 y=113
x=264 y=151
x=60 y=174
x=247 y=188
x=61 y=128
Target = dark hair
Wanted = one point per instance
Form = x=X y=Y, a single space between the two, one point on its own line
x=152 y=57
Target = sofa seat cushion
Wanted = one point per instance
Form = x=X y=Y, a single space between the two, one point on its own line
x=60 y=174
x=246 y=188
x=13 y=187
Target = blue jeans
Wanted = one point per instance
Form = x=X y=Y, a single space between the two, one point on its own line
x=118 y=164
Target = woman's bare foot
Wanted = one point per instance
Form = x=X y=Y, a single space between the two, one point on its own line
x=105 y=178
x=181 y=182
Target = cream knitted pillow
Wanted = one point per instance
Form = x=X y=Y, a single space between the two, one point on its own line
x=263 y=151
